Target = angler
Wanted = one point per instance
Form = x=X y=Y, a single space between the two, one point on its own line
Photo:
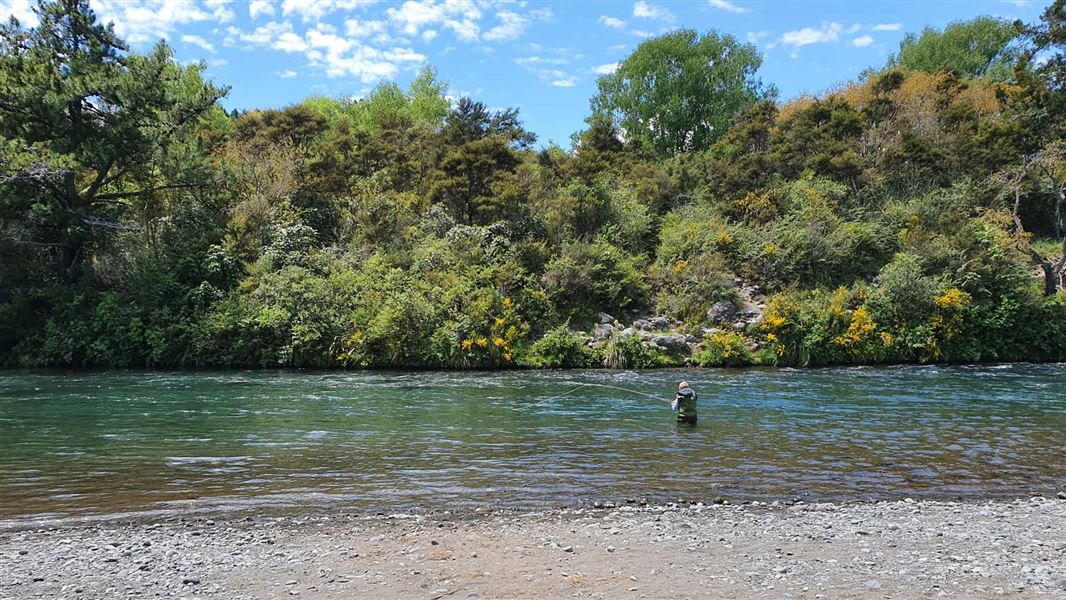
x=684 y=404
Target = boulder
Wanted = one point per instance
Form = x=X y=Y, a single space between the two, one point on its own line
x=671 y=341
x=659 y=323
x=642 y=325
x=750 y=310
x=604 y=319
x=603 y=331
x=721 y=312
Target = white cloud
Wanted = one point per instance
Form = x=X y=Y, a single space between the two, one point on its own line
x=530 y=61
x=334 y=54
x=461 y=16
x=853 y=29
x=547 y=69
x=862 y=41
x=222 y=12
x=728 y=6
x=887 y=27
x=642 y=33
x=196 y=40
x=260 y=7
x=287 y=74
x=511 y=26
x=217 y=63
x=20 y=9
x=140 y=21
x=755 y=36
x=289 y=42
x=605 y=69
x=829 y=32
x=357 y=28
x=313 y=10
x=645 y=10
x=264 y=35
x=429 y=35
x=612 y=22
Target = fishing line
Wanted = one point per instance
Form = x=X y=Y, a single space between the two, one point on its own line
x=564 y=394
x=603 y=385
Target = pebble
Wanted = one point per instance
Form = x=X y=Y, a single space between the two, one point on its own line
x=872 y=584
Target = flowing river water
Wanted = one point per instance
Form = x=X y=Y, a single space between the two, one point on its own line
x=88 y=446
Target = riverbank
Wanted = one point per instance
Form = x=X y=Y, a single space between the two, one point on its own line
x=903 y=549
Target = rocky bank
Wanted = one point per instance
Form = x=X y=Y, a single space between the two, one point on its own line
x=899 y=549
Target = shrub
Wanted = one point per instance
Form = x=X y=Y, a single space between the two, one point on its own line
x=725 y=349
x=561 y=347
x=627 y=352
x=589 y=278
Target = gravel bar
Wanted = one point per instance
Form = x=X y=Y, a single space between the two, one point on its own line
x=896 y=549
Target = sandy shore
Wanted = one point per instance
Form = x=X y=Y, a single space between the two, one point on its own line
x=903 y=549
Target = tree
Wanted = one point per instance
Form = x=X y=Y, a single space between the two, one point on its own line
x=1041 y=69
x=471 y=121
x=1046 y=165
x=82 y=121
x=978 y=48
x=679 y=92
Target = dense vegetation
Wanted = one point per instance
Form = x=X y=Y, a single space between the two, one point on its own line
x=914 y=215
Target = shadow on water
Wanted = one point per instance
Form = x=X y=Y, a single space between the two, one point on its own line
x=78 y=445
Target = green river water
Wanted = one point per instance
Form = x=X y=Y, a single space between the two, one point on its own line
x=80 y=446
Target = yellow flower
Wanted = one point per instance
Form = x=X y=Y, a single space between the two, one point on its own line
x=723 y=238
x=482 y=343
x=499 y=322
x=953 y=298
x=861 y=328
x=771 y=337
x=886 y=338
x=468 y=344
x=770 y=249
x=773 y=320
x=679 y=266
x=506 y=356
x=498 y=342
x=507 y=302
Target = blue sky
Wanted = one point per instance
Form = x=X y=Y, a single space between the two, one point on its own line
x=542 y=57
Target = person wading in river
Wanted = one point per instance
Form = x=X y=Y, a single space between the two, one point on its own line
x=685 y=404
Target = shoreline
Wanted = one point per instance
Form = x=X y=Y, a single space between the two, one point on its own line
x=898 y=549
x=477 y=510
x=516 y=368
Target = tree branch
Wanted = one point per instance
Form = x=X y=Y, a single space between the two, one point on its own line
x=118 y=195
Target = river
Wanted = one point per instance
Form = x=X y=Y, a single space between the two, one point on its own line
x=84 y=446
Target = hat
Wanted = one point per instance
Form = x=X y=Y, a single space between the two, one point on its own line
x=682 y=385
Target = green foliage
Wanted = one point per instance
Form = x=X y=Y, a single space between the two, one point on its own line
x=905 y=218
x=561 y=348
x=679 y=91
x=587 y=278
x=69 y=169
x=691 y=267
x=626 y=352
x=977 y=48
x=725 y=349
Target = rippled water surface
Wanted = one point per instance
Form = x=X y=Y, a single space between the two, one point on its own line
x=88 y=445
